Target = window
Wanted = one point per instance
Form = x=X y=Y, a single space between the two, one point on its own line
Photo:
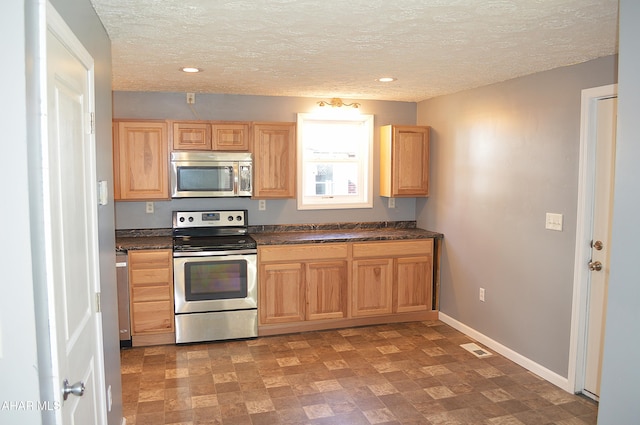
x=335 y=161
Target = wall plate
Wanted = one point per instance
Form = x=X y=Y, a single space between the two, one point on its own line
x=553 y=222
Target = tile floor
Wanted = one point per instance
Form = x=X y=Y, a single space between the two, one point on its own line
x=407 y=373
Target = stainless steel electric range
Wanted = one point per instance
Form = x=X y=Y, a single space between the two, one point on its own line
x=215 y=277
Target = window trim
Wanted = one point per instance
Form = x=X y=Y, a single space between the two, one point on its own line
x=366 y=123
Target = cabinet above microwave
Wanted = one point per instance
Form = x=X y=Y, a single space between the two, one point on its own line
x=211 y=135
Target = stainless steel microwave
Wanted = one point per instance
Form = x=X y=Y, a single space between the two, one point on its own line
x=211 y=174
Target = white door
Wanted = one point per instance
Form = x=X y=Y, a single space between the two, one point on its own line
x=601 y=236
x=71 y=226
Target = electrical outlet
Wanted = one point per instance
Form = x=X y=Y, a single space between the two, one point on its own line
x=150 y=208
x=262 y=205
x=482 y=294
x=392 y=202
x=191 y=98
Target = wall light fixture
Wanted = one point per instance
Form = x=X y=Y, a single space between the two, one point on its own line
x=337 y=103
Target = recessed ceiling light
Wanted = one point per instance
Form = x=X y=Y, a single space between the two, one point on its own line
x=386 y=79
x=190 y=69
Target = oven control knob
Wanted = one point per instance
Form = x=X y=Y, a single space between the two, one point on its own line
x=190 y=219
x=230 y=218
x=239 y=218
x=181 y=219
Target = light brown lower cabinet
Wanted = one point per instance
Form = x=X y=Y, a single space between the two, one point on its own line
x=281 y=293
x=151 y=296
x=323 y=286
x=302 y=282
x=392 y=277
x=409 y=293
x=372 y=287
x=326 y=289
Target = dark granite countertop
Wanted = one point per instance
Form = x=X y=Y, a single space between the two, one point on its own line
x=127 y=240
x=339 y=232
x=124 y=244
x=341 y=235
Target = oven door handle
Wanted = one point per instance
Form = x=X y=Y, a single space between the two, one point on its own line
x=215 y=253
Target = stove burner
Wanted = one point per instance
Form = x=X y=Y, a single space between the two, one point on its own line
x=211 y=231
x=215 y=243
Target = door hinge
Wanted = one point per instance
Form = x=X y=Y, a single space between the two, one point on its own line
x=91 y=122
x=98 y=305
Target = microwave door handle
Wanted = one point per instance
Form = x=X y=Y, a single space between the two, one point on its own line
x=235 y=178
x=249 y=177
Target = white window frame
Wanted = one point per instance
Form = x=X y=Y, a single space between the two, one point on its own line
x=364 y=125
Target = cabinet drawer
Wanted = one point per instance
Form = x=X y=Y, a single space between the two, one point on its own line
x=160 y=258
x=152 y=317
x=150 y=276
x=393 y=248
x=295 y=252
x=150 y=293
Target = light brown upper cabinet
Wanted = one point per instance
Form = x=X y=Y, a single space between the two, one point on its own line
x=404 y=161
x=211 y=135
x=230 y=137
x=116 y=160
x=191 y=136
x=274 y=160
x=141 y=161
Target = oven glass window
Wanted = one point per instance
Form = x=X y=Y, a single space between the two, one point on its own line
x=212 y=179
x=216 y=280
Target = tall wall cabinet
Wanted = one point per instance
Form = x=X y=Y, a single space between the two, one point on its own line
x=404 y=161
x=274 y=153
x=140 y=156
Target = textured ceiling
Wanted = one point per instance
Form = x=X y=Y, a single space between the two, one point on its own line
x=338 y=48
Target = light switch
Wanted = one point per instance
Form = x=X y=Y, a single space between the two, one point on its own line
x=103 y=192
x=554 y=222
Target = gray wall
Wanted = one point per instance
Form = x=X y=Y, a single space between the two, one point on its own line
x=84 y=22
x=502 y=157
x=619 y=393
x=131 y=215
x=18 y=352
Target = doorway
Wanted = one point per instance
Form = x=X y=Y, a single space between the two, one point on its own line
x=591 y=268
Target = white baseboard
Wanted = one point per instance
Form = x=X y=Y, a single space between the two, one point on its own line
x=515 y=357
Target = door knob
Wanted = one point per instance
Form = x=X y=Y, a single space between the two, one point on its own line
x=76 y=389
x=597 y=245
x=595 y=266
